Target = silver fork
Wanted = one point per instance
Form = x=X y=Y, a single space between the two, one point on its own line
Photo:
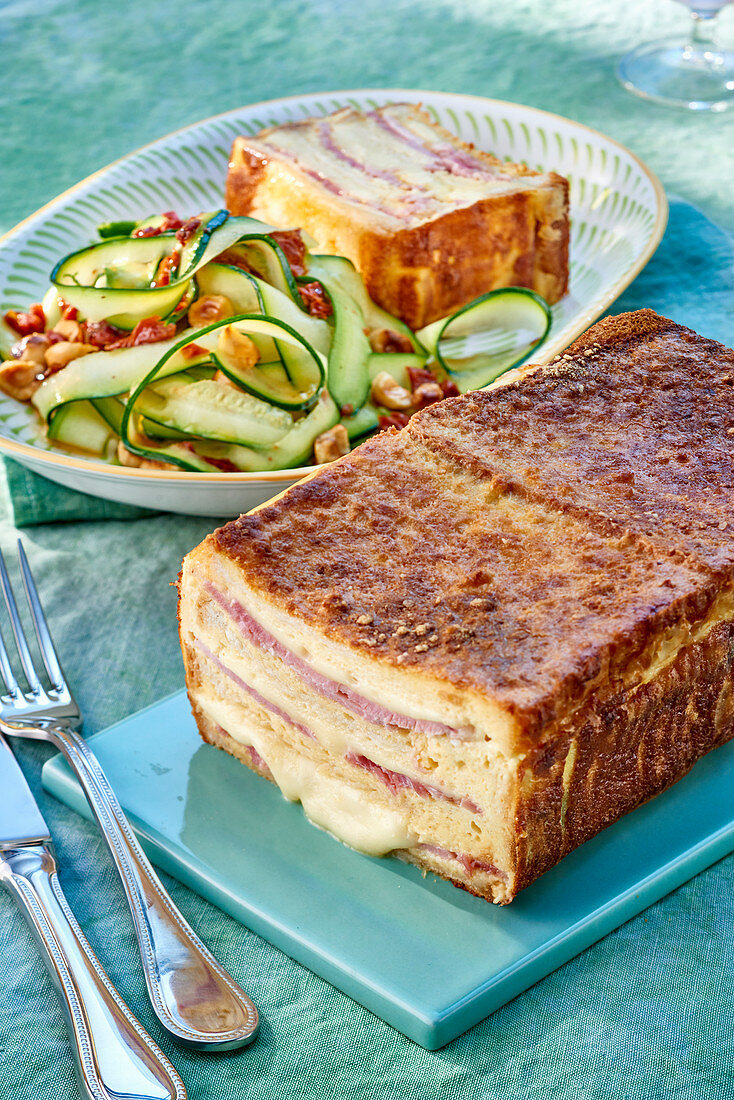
x=194 y=997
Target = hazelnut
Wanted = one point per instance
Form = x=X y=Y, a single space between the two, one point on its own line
x=208 y=309
x=31 y=348
x=331 y=444
x=58 y=355
x=388 y=392
x=426 y=394
x=387 y=340
x=70 y=330
x=20 y=378
x=237 y=348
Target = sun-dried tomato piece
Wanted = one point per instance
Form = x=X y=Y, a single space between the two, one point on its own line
x=68 y=313
x=186 y=231
x=419 y=375
x=171 y=221
x=393 y=420
x=316 y=300
x=26 y=323
x=234 y=260
x=102 y=333
x=167 y=269
x=147 y=231
x=291 y=243
x=223 y=464
x=449 y=387
x=193 y=351
x=148 y=331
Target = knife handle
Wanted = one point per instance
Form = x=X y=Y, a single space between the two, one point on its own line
x=114 y=1055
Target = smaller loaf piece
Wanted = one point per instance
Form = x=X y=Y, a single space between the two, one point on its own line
x=429 y=221
x=480 y=640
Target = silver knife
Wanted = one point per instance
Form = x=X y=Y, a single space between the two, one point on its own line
x=114 y=1056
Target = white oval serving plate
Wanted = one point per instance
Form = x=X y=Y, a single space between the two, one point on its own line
x=618 y=216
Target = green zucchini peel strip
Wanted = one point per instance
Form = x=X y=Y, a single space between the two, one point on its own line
x=303 y=366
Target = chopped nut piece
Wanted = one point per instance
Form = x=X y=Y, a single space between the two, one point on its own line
x=386 y=340
x=331 y=444
x=70 y=330
x=422 y=628
x=364 y=620
x=58 y=355
x=387 y=391
x=20 y=378
x=236 y=346
x=401 y=630
x=208 y=309
x=426 y=394
x=31 y=349
x=421 y=648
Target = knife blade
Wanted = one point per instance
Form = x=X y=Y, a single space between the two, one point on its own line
x=21 y=821
x=114 y=1056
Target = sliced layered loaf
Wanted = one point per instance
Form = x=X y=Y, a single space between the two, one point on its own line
x=476 y=642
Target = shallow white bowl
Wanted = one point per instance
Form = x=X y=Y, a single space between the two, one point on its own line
x=618 y=216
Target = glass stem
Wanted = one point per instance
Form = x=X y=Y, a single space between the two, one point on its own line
x=703 y=30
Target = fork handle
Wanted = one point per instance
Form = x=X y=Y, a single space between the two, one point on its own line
x=114 y=1056
x=194 y=997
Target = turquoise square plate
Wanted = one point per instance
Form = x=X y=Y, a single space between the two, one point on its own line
x=426 y=957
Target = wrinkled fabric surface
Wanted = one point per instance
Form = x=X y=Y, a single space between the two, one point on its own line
x=644 y=1014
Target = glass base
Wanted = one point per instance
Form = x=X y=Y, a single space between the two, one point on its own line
x=700 y=78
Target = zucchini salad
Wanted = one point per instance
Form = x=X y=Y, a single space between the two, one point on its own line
x=218 y=343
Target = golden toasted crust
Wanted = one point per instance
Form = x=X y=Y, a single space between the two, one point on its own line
x=419 y=267
x=527 y=542
x=620 y=752
x=632 y=429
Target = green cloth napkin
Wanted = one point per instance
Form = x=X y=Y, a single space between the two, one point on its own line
x=691 y=279
x=35 y=499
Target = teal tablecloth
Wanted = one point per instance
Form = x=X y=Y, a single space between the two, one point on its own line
x=646 y=1013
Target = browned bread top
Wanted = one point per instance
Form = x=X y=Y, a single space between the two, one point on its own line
x=531 y=542
x=632 y=428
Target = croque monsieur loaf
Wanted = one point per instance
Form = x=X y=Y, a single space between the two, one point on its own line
x=477 y=641
x=429 y=221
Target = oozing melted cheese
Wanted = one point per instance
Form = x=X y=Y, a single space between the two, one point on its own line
x=327 y=802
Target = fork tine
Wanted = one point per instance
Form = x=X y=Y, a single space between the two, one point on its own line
x=7 y=673
x=48 y=650
x=20 y=639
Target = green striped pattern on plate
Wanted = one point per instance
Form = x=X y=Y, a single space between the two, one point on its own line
x=617 y=206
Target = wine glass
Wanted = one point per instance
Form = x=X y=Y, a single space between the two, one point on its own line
x=695 y=73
